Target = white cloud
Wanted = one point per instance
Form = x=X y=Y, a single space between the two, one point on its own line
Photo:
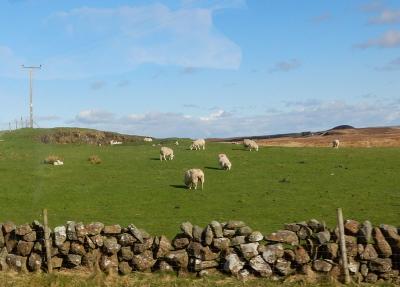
x=393 y=65
x=386 y=16
x=310 y=115
x=135 y=35
x=94 y=117
x=286 y=66
x=389 y=39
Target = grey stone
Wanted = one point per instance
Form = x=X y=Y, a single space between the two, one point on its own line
x=24 y=248
x=109 y=264
x=97 y=240
x=64 y=248
x=351 y=227
x=255 y=236
x=292 y=227
x=371 y=278
x=111 y=245
x=234 y=224
x=382 y=246
x=272 y=253
x=178 y=259
x=304 y=232
x=81 y=231
x=353 y=265
x=245 y=230
x=94 y=228
x=180 y=242
x=136 y=232
x=283 y=267
x=217 y=229
x=259 y=265
x=301 y=255
x=321 y=265
x=233 y=264
x=187 y=228
x=364 y=270
x=221 y=243
x=23 y=229
x=323 y=237
x=237 y=240
x=16 y=263
x=35 y=262
x=37 y=247
x=163 y=266
x=112 y=229
x=197 y=233
x=208 y=235
x=198 y=265
x=77 y=249
x=60 y=235
x=126 y=253
x=3 y=256
x=71 y=232
x=164 y=247
x=229 y=233
x=144 y=261
x=249 y=250
x=365 y=233
x=126 y=239
x=74 y=260
x=124 y=268
x=283 y=236
x=31 y=236
x=369 y=253
x=8 y=227
x=380 y=265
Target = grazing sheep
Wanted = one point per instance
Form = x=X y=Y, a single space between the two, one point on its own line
x=250 y=144
x=224 y=162
x=113 y=142
x=192 y=177
x=58 y=162
x=176 y=143
x=166 y=153
x=335 y=143
x=197 y=144
x=148 y=139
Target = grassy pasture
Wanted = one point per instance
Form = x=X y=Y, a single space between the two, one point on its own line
x=265 y=188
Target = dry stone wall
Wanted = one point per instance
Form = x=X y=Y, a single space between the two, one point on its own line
x=307 y=249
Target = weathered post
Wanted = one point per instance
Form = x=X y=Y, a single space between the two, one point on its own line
x=343 y=246
x=47 y=241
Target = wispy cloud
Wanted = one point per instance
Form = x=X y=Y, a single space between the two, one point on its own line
x=98 y=85
x=135 y=35
x=188 y=70
x=393 y=65
x=123 y=83
x=296 y=116
x=286 y=66
x=387 y=16
x=389 y=39
x=321 y=18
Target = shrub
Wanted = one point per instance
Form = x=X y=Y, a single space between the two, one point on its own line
x=94 y=159
x=51 y=159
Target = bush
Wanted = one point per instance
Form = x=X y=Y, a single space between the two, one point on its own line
x=94 y=159
x=51 y=159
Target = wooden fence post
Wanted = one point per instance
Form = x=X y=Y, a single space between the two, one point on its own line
x=343 y=246
x=47 y=241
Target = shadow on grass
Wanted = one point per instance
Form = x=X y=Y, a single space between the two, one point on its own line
x=212 y=167
x=155 y=158
x=239 y=149
x=178 y=186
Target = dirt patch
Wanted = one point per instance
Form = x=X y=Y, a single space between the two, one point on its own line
x=363 y=137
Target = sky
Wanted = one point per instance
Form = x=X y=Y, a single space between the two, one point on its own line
x=201 y=68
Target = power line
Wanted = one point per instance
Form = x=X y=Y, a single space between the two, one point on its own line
x=31 y=68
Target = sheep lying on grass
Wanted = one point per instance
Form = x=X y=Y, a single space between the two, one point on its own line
x=250 y=144
x=224 y=162
x=54 y=160
x=192 y=177
x=166 y=153
x=198 y=144
x=113 y=142
x=335 y=143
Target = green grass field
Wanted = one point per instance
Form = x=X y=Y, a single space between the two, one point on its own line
x=265 y=189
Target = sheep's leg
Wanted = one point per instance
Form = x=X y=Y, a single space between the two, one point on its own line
x=160 y=157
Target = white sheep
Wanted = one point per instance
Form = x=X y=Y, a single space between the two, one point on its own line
x=58 y=162
x=113 y=142
x=250 y=144
x=192 y=177
x=198 y=144
x=148 y=139
x=166 y=153
x=224 y=162
x=335 y=143
x=176 y=143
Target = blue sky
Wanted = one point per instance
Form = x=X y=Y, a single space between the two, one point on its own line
x=198 y=68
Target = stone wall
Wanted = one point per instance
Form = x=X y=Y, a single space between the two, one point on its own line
x=302 y=250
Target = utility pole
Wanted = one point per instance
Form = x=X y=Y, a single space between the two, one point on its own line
x=31 y=68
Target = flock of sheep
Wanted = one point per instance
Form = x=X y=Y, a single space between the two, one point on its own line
x=194 y=176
